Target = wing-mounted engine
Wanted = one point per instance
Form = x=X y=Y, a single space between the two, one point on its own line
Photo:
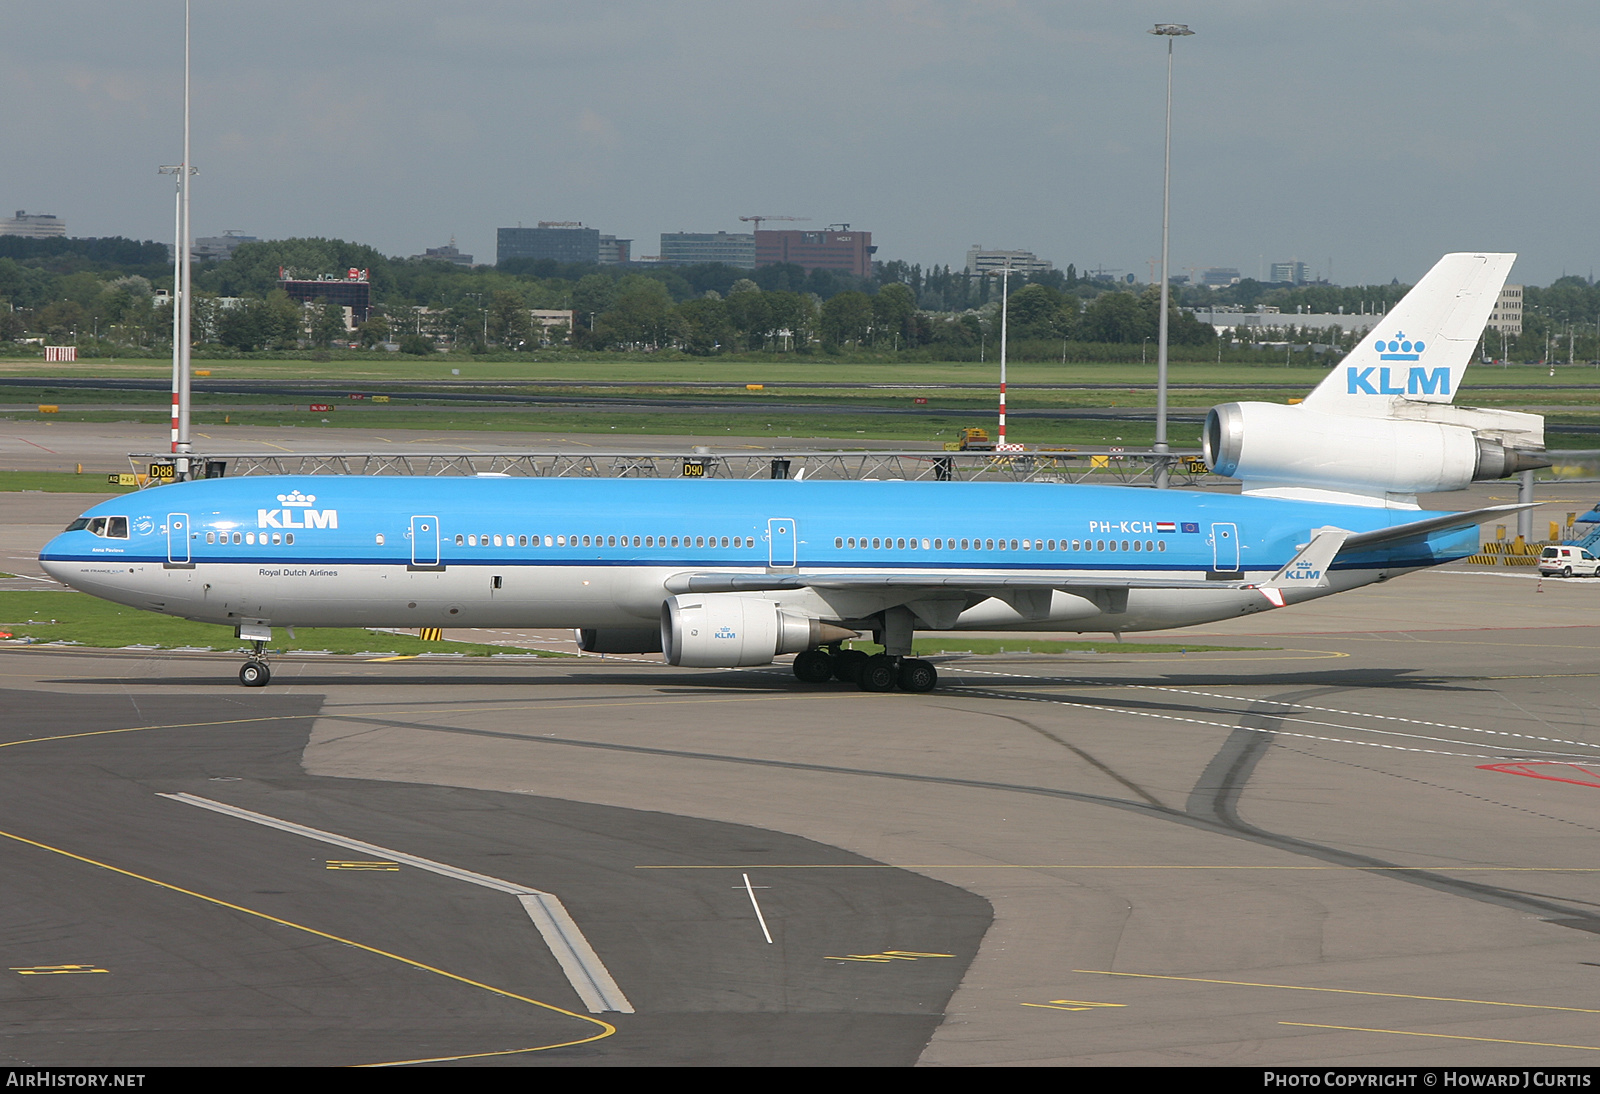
x=727 y=630
x=1380 y=428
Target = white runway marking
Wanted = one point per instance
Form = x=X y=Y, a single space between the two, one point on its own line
x=1590 y=747
x=759 y=917
x=572 y=951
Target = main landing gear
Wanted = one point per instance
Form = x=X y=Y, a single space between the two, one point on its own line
x=875 y=672
x=255 y=673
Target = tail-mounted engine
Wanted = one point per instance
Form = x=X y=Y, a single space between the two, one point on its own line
x=1423 y=449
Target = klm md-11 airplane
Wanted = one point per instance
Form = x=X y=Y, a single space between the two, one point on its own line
x=719 y=573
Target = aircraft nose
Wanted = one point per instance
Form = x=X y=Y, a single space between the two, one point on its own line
x=50 y=560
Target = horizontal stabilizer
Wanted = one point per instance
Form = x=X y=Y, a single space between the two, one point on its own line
x=1309 y=568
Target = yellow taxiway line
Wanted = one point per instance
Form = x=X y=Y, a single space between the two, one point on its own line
x=607 y=1029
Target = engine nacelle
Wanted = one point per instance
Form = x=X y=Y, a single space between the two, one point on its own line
x=1296 y=446
x=620 y=640
x=726 y=630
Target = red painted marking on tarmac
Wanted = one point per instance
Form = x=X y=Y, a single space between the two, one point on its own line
x=1548 y=769
x=52 y=451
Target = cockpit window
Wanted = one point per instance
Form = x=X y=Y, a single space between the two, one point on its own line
x=109 y=527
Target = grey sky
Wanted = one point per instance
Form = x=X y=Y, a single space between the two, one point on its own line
x=1377 y=135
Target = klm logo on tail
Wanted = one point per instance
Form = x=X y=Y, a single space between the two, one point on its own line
x=1399 y=349
x=1382 y=380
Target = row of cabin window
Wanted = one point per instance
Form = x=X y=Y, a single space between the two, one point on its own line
x=250 y=538
x=902 y=544
x=485 y=539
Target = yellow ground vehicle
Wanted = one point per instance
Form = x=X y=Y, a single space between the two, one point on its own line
x=971 y=440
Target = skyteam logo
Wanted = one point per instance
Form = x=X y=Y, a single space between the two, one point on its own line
x=1376 y=380
x=295 y=502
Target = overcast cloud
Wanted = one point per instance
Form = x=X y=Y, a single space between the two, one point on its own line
x=1372 y=136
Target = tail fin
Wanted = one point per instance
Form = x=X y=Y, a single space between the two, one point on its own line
x=1419 y=350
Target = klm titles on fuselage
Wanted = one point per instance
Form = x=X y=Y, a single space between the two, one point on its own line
x=296 y=502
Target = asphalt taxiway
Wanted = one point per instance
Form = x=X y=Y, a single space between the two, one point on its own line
x=1347 y=845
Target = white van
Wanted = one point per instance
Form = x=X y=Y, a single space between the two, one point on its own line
x=1568 y=562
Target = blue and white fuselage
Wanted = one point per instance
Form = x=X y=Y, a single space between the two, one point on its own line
x=597 y=554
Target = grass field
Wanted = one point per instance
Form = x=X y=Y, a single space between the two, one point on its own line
x=88 y=621
x=652 y=369
x=59 y=482
x=845 y=408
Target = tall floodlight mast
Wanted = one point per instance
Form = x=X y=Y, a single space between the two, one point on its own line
x=1162 y=466
x=177 y=291
x=180 y=394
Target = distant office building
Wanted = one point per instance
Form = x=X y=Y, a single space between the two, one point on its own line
x=1507 y=314
x=981 y=261
x=692 y=248
x=1219 y=277
x=560 y=240
x=33 y=225
x=614 y=251
x=1265 y=317
x=352 y=291
x=447 y=254
x=553 y=323
x=837 y=248
x=1292 y=272
x=219 y=248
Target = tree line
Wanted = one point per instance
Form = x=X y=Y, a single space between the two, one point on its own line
x=102 y=295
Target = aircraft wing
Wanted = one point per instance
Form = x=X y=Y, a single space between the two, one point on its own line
x=1308 y=569
x=1447 y=522
x=750 y=583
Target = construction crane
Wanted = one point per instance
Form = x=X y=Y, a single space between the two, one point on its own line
x=758 y=220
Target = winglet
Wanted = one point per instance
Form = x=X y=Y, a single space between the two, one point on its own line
x=1309 y=568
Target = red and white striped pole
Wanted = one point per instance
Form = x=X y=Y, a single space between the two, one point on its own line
x=1005 y=308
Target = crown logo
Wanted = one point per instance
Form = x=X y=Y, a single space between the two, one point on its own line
x=1399 y=348
x=297 y=498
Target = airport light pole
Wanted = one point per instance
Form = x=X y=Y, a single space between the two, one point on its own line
x=182 y=324
x=177 y=291
x=1162 y=468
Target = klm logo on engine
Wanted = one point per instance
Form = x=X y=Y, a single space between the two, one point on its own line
x=297 y=503
x=726 y=632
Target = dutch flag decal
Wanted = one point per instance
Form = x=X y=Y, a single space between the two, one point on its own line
x=1166 y=526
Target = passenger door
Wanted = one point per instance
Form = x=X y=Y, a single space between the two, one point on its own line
x=1225 y=547
x=177 y=539
x=425 y=542
x=781 y=549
